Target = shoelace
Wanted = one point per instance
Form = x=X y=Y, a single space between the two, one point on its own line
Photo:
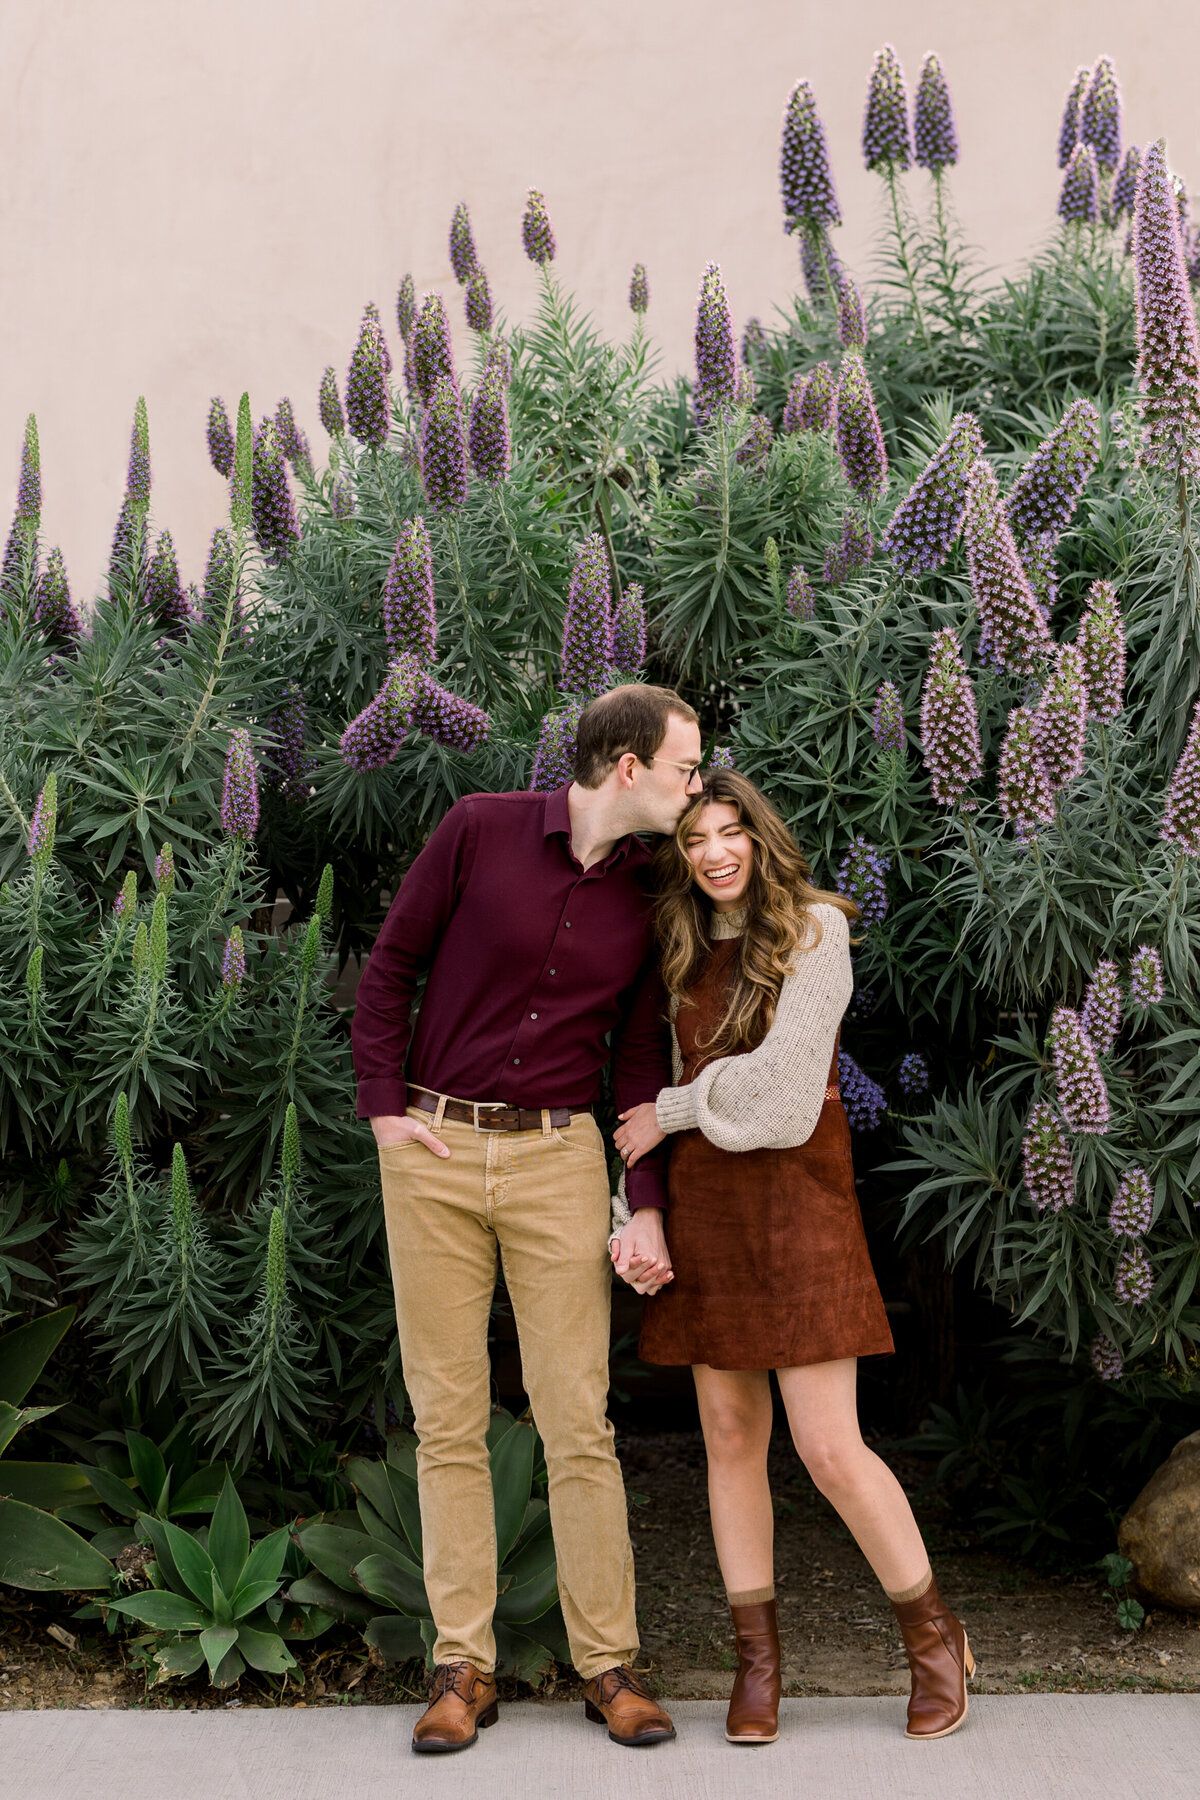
x=446 y=1678
x=613 y=1681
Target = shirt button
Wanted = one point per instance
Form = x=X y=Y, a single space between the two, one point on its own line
x=554 y=971
x=516 y=1062
x=533 y=1015
x=566 y=924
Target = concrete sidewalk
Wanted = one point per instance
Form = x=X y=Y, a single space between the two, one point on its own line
x=1044 y=1747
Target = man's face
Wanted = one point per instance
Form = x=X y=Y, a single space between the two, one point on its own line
x=664 y=787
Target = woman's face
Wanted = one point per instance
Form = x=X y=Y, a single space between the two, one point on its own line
x=721 y=855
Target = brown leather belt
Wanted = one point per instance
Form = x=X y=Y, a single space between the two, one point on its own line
x=485 y=1116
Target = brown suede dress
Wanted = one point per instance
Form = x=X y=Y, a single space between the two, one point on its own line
x=771 y=1264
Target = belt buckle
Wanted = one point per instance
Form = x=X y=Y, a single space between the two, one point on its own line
x=475 y=1106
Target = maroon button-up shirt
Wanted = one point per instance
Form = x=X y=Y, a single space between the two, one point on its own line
x=533 y=962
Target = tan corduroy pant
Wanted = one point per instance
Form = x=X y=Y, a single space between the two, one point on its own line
x=540 y=1199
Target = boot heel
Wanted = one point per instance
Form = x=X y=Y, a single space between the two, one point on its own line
x=970 y=1660
x=593 y=1713
x=488 y=1717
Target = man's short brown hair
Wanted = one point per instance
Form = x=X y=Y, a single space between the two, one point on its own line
x=631 y=717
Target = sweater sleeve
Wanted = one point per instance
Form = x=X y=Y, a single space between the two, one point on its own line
x=771 y=1097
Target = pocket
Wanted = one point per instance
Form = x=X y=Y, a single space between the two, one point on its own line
x=582 y=1134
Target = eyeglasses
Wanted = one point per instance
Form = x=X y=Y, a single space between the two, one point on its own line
x=690 y=769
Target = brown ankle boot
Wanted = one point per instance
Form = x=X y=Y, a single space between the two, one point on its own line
x=940 y=1661
x=753 y=1716
x=462 y=1703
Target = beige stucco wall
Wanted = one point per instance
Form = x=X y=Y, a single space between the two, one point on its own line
x=200 y=195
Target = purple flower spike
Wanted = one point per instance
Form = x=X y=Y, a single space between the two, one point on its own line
x=448 y=720
x=1046 y=493
x=341 y=497
x=233 y=962
x=927 y=521
x=861 y=879
x=754 y=342
x=801 y=596
x=1079 y=196
x=1101 y=1009
x=1082 y=1095
x=1106 y=1359
x=220 y=438
x=409 y=608
x=1132 y=1211
x=588 y=624
x=817 y=402
x=292 y=440
x=554 y=760
x=1061 y=717
x=137 y=481
x=239 y=802
x=433 y=358
x=852 y=321
x=56 y=612
x=128 y=547
x=934 y=133
x=1124 y=191
x=371 y=740
x=329 y=405
x=42 y=824
x=498 y=362
x=754 y=451
x=1168 y=344
x=863 y=1099
x=852 y=554
x=164 y=590
x=639 y=289
x=29 y=482
x=293 y=764
x=821 y=266
x=722 y=758
x=463 y=258
x=1100 y=116
x=1102 y=644
x=949 y=722
x=793 y=406
x=716 y=359
x=885 y=138
x=218 y=576
x=274 y=515
x=1181 y=817
x=368 y=402
x=1023 y=789
x=805 y=178
x=164 y=871
x=629 y=631
x=537 y=233
x=887 y=721
x=444 y=449
x=859 y=436
x=1068 y=131
x=913 y=1076
x=479 y=302
x=1013 y=631
x=1146 y=985
x=1046 y=1166
x=371 y=311
x=1134 y=1281
x=488 y=438
x=406 y=308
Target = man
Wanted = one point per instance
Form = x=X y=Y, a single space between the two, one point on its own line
x=533 y=914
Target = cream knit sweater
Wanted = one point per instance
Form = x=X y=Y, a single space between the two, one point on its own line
x=771 y=1097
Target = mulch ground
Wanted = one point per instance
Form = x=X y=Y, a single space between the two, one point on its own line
x=1030 y=1632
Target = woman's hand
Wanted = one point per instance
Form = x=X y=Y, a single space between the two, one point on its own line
x=639 y=1252
x=637 y=1133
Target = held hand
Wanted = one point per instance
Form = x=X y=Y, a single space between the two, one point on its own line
x=637 y=1133
x=403 y=1130
x=639 y=1252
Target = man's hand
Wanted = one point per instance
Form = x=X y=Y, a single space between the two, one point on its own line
x=639 y=1252
x=403 y=1130
x=637 y=1133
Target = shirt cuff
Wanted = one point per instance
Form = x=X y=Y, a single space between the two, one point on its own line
x=382 y=1096
x=646 y=1185
x=675 y=1108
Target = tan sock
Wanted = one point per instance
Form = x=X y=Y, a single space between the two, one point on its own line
x=751 y=1596
x=911 y=1593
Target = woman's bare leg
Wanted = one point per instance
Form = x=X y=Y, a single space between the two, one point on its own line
x=822 y=1411
x=735 y=1414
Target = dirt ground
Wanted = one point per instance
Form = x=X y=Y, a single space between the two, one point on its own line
x=1030 y=1633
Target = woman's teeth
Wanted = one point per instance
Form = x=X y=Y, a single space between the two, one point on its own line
x=721 y=877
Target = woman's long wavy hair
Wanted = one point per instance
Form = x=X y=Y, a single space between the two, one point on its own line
x=779 y=926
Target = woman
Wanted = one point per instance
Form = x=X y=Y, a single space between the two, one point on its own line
x=770 y=1265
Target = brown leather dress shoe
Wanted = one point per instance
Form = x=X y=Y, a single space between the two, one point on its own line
x=617 y=1699
x=462 y=1703
x=940 y=1661
x=753 y=1716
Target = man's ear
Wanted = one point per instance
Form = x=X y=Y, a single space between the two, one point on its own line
x=625 y=767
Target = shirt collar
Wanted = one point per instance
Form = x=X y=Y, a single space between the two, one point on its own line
x=557 y=818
